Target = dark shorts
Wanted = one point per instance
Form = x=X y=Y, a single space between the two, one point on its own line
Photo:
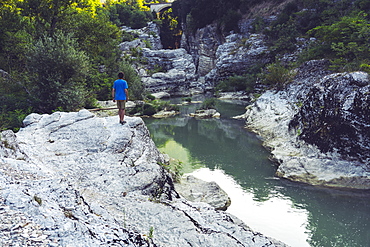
x=121 y=104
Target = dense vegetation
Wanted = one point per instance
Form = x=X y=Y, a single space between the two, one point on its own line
x=335 y=30
x=62 y=54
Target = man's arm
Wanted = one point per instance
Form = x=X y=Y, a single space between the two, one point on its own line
x=113 y=94
x=126 y=92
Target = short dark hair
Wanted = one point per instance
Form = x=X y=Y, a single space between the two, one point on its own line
x=121 y=75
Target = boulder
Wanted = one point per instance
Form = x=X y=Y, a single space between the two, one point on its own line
x=203 y=46
x=317 y=129
x=74 y=179
x=161 y=95
x=165 y=114
x=197 y=190
x=208 y=113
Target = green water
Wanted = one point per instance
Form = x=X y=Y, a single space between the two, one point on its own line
x=223 y=151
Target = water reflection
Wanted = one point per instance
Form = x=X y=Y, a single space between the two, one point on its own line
x=223 y=151
x=276 y=217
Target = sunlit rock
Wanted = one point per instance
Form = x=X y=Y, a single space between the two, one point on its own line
x=74 y=179
x=208 y=113
x=197 y=190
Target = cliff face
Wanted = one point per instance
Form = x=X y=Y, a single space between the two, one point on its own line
x=335 y=115
x=317 y=128
x=206 y=57
x=73 y=179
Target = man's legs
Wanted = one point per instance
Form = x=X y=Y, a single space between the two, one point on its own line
x=121 y=114
x=121 y=104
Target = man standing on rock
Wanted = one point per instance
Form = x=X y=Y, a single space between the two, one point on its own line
x=120 y=94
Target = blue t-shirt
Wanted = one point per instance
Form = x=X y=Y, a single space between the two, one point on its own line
x=119 y=86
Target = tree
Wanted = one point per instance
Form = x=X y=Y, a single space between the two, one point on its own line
x=59 y=71
x=346 y=42
x=14 y=37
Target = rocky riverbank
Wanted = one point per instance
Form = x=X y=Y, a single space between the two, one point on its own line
x=318 y=127
x=74 y=179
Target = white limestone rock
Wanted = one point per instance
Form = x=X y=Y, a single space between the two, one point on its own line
x=78 y=180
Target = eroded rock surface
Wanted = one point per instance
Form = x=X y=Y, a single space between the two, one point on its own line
x=317 y=128
x=73 y=179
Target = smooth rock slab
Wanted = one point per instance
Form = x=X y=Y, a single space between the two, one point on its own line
x=80 y=180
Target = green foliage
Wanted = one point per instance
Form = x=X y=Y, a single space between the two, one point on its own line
x=59 y=72
x=12 y=119
x=123 y=14
x=175 y=168
x=61 y=55
x=282 y=37
x=237 y=83
x=277 y=76
x=136 y=87
x=96 y=36
x=187 y=99
x=14 y=38
x=151 y=231
x=209 y=103
x=199 y=13
x=151 y=107
x=346 y=42
x=150 y=97
x=245 y=82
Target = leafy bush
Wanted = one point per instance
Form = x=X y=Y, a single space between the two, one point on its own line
x=187 y=99
x=12 y=119
x=346 y=42
x=136 y=87
x=209 y=103
x=123 y=14
x=277 y=76
x=149 y=109
x=59 y=72
x=237 y=83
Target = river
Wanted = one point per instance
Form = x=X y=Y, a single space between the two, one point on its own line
x=222 y=150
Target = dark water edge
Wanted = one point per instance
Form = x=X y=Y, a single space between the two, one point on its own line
x=297 y=214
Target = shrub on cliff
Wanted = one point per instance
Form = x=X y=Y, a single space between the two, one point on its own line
x=345 y=42
x=277 y=76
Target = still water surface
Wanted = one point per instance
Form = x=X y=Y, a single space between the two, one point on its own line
x=222 y=150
